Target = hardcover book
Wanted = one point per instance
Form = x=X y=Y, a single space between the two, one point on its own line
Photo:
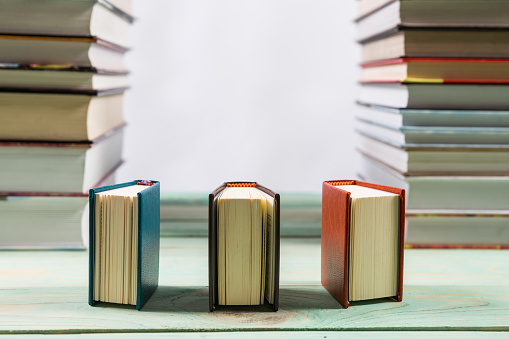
x=437 y=70
x=441 y=191
x=243 y=245
x=58 y=167
x=60 y=78
x=49 y=116
x=41 y=50
x=436 y=96
x=363 y=232
x=438 y=43
x=124 y=243
x=107 y=20
x=457 y=229
x=419 y=160
x=395 y=14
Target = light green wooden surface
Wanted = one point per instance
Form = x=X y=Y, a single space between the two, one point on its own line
x=46 y=292
x=280 y=335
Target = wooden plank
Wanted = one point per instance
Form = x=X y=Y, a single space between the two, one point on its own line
x=278 y=334
x=46 y=292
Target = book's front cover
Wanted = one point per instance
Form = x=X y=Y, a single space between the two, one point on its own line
x=148 y=243
x=335 y=241
x=148 y=240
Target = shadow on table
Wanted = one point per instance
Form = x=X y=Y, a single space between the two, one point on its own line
x=178 y=299
x=309 y=297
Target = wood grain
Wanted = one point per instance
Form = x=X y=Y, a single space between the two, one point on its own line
x=46 y=292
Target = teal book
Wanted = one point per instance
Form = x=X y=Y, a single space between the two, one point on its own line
x=124 y=243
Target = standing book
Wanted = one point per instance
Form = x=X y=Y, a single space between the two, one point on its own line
x=243 y=245
x=124 y=243
x=363 y=230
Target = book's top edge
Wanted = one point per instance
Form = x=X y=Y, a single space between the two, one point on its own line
x=341 y=182
x=240 y=184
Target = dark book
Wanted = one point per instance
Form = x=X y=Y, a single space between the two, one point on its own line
x=43 y=50
x=60 y=78
x=124 y=243
x=243 y=245
x=438 y=43
x=363 y=231
x=423 y=13
x=95 y=18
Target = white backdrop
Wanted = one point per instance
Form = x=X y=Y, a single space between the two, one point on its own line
x=225 y=90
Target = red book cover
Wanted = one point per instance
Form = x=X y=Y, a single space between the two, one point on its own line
x=335 y=241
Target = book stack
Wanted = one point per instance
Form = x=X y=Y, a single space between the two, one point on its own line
x=62 y=79
x=433 y=115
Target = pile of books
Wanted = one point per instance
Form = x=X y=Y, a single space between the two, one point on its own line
x=433 y=115
x=62 y=80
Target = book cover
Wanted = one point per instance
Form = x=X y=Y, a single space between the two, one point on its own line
x=335 y=240
x=148 y=240
x=213 y=247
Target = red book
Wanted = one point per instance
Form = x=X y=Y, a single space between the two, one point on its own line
x=337 y=233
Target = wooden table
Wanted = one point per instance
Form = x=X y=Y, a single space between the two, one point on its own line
x=45 y=292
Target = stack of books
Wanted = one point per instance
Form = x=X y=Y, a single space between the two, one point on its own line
x=433 y=115
x=62 y=80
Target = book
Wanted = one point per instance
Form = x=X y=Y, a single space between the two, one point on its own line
x=60 y=78
x=438 y=43
x=45 y=220
x=401 y=117
x=243 y=245
x=363 y=229
x=424 y=13
x=43 y=50
x=92 y=18
x=420 y=160
x=436 y=136
x=32 y=167
x=457 y=229
x=436 y=191
x=124 y=243
x=47 y=116
x=437 y=70
x=436 y=96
